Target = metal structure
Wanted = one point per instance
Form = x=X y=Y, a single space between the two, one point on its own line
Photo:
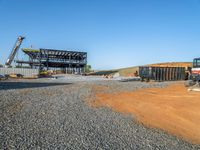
x=162 y=73
x=50 y=59
x=14 y=50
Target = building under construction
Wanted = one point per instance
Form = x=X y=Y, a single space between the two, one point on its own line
x=50 y=59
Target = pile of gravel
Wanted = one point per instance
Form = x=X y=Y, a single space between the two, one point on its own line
x=56 y=116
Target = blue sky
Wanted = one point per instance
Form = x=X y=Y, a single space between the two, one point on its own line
x=115 y=33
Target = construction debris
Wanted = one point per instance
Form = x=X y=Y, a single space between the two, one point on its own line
x=195 y=88
x=3 y=77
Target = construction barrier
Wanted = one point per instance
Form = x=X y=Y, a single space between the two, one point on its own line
x=26 y=72
x=162 y=73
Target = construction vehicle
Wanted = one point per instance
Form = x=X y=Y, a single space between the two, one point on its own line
x=14 y=51
x=194 y=78
x=195 y=75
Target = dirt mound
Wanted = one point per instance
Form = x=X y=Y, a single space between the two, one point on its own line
x=172 y=109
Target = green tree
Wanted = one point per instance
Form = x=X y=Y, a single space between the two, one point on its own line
x=88 y=68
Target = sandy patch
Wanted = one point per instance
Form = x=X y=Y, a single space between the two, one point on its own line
x=172 y=109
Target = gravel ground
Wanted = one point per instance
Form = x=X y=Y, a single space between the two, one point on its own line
x=54 y=114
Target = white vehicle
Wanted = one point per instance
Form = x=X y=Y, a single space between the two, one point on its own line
x=195 y=74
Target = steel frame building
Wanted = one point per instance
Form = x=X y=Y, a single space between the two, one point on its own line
x=50 y=59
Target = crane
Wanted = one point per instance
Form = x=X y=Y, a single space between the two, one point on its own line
x=14 y=51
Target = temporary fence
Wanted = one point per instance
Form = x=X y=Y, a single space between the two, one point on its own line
x=26 y=72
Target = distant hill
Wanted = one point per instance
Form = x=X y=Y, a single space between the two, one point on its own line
x=173 y=64
x=131 y=70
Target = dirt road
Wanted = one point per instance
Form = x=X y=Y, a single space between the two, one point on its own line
x=172 y=109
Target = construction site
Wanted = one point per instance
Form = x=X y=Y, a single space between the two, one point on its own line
x=43 y=62
x=52 y=99
x=100 y=75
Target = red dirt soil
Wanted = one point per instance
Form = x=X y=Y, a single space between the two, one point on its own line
x=172 y=109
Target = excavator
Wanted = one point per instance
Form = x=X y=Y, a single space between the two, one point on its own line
x=14 y=51
x=194 y=79
x=196 y=70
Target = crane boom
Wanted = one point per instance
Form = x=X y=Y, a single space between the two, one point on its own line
x=14 y=50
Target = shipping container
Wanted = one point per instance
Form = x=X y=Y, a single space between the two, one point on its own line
x=162 y=73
